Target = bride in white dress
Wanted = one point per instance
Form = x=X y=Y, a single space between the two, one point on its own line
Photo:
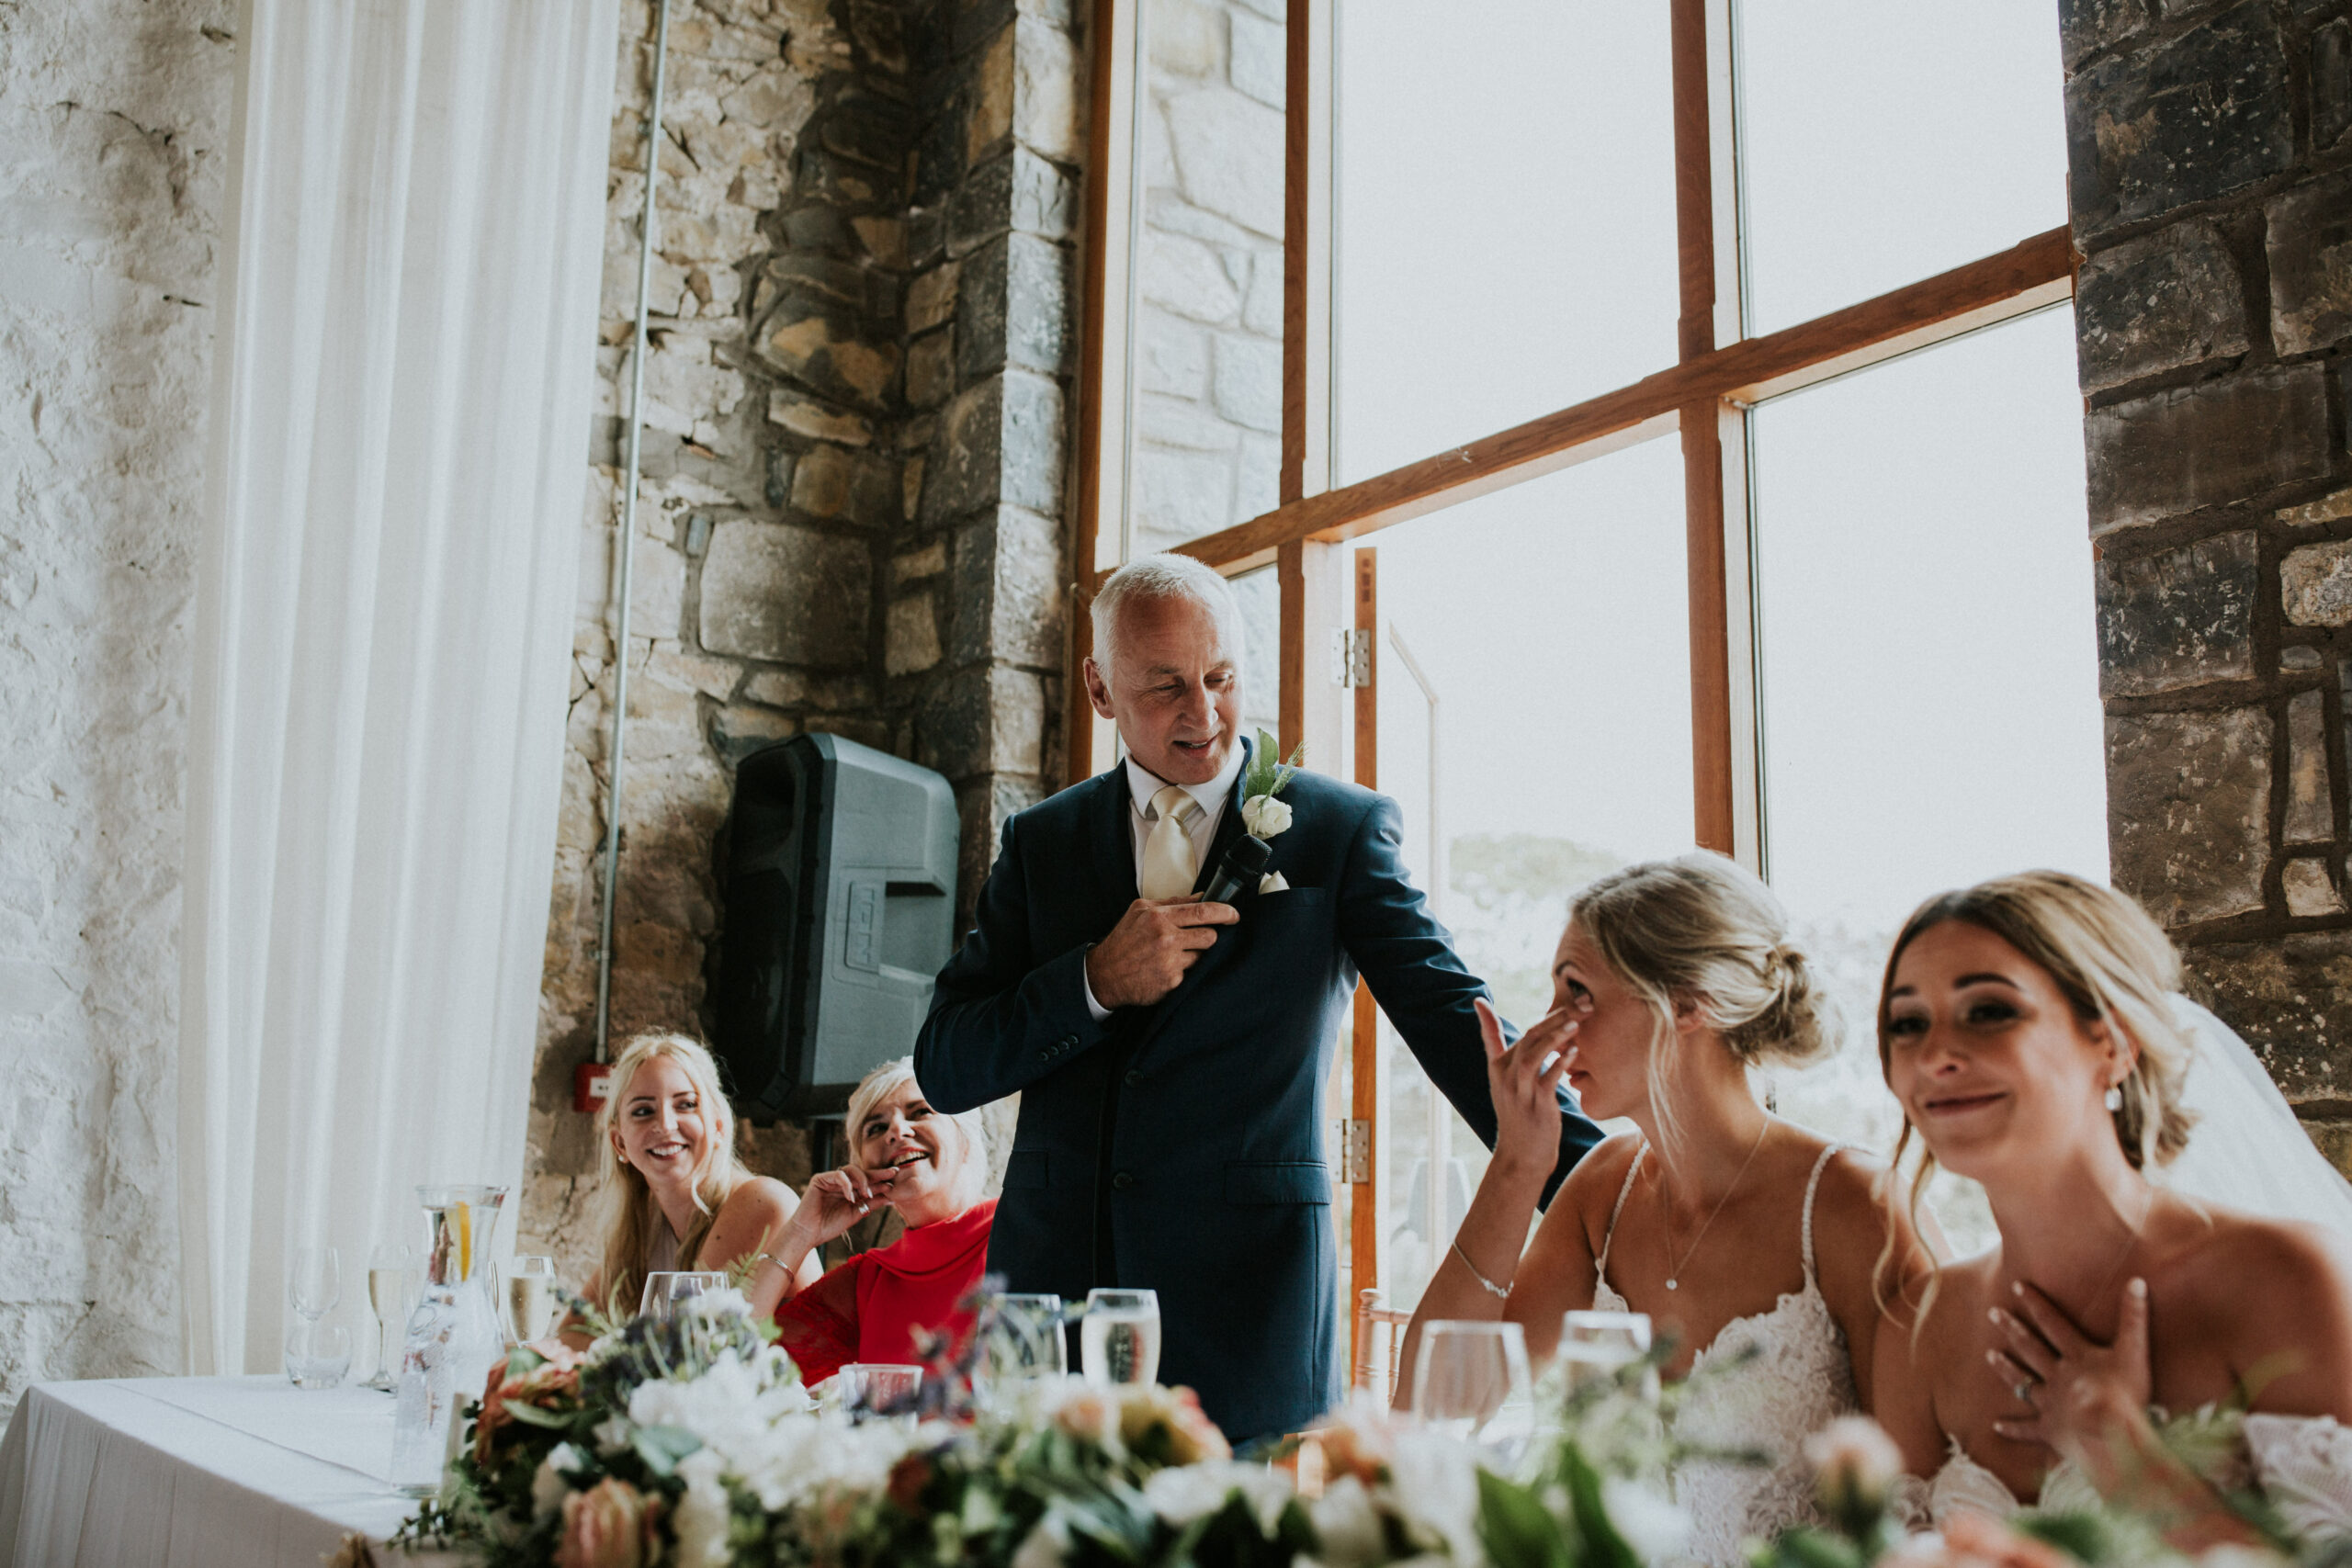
x=2031 y=1030
x=1730 y=1227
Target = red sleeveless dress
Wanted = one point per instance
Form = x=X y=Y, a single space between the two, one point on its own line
x=869 y=1308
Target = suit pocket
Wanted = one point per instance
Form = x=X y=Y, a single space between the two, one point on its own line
x=1025 y=1172
x=1251 y=1181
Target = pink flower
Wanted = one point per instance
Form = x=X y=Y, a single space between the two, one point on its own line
x=609 y=1526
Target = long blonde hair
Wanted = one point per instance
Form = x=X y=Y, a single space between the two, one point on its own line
x=630 y=1212
x=1699 y=928
x=2114 y=965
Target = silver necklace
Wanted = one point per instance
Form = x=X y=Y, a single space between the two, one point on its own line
x=1666 y=1215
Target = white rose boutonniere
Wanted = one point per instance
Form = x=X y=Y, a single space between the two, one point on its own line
x=1262 y=812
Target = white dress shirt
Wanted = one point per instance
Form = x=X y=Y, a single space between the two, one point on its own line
x=1142 y=784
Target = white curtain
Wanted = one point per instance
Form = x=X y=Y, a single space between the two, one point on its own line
x=399 y=448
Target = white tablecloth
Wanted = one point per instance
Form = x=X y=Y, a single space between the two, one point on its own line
x=193 y=1471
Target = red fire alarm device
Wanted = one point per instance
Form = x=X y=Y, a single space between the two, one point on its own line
x=591 y=1085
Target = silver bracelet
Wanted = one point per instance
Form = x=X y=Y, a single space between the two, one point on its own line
x=1500 y=1293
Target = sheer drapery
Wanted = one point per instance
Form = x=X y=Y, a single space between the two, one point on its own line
x=384 y=623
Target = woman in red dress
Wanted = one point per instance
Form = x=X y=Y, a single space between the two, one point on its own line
x=931 y=1168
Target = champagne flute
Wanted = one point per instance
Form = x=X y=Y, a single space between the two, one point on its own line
x=392 y=1270
x=1472 y=1381
x=530 y=1298
x=314 y=1283
x=1119 y=1336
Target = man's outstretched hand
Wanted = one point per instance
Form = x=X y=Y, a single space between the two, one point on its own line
x=1146 y=955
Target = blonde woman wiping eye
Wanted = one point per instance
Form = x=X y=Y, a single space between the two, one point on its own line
x=1730 y=1227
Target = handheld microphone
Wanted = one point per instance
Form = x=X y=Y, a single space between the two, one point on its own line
x=1244 y=864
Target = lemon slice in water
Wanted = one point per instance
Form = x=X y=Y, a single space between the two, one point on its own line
x=465 y=1216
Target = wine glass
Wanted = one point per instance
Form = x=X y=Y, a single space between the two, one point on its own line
x=1471 y=1381
x=872 y=1391
x=1118 y=1339
x=1024 y=1340
x=529 y=1297
x=665 y=1293
x=315 y=1283
x=1594 y=1344
x=392 y=1279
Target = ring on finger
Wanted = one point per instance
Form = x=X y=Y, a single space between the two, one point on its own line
x=2024 y=1391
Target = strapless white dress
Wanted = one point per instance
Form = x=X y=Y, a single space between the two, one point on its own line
x=1801 y=1380
x=2300 y=1465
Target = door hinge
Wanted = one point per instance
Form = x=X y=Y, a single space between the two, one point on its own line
x=1355 y=1150
x=1351 y=657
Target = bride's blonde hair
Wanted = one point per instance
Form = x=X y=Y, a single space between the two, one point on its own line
x=1699 y=927
x=630 y=1211
x=2114 y=965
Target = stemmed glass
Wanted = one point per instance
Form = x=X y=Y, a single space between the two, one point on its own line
x=392 y=1286
x=665 y=1293
x=1118 y=1339
x=529 y=1298
x=314 y=1283
x=1594 y=1344
x=316 y=1356
x=1472 y=1381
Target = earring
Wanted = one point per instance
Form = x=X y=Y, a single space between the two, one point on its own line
x=2115 y=1096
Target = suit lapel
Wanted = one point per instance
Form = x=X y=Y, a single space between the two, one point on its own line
x=1112 y=845
x=1229 y=827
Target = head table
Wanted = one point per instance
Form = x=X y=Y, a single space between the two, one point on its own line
x=193 y=1471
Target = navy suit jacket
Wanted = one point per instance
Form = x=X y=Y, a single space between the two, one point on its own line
x=1180 y=1146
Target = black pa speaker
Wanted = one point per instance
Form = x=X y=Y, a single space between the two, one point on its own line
x=840 y=889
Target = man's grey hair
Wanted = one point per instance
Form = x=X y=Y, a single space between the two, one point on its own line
x=1165 y=577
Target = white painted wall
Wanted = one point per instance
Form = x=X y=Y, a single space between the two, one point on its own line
x=113 y=122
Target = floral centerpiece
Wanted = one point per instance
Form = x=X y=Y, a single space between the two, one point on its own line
x=692 y=1442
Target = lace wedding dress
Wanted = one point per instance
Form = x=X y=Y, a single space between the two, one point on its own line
x=2248 y=1152
x=1799 y=1381
x=2300 y=1465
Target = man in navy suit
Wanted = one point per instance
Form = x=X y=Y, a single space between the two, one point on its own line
x=1172 y=1054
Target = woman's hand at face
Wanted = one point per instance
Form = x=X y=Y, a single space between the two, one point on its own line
x=836 y=1199
x=2079 y=1395
x=1523 y=1078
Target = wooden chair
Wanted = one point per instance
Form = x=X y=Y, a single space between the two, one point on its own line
x=1380 y=1334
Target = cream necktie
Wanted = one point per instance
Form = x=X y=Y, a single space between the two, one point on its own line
x=1170 y=866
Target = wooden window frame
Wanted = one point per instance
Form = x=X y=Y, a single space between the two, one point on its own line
x=1720 y=374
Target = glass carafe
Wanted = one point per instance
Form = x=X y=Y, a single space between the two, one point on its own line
x=453 y=1335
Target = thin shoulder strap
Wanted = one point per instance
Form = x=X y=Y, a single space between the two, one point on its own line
x=1608 y=1238
x=1812 y=1186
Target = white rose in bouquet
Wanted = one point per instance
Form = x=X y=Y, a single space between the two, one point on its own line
x=1183 y=1494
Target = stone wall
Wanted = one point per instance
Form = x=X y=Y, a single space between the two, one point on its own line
x=112 y=118
x=1208 y=381
x=2212 y=193
x=852 y=518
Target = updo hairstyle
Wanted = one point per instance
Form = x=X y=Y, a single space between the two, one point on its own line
x=1699 y=927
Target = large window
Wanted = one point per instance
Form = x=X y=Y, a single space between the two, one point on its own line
x=1631 y=425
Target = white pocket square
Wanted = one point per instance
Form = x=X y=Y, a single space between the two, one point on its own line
x=1271 y=883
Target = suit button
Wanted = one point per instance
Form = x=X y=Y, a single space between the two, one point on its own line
x=1070 y=1042
x=1134 y=1079
x=1122 y=1181
x=1047 y=1054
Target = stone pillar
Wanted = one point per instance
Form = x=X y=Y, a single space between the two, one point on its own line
x=2212 y=199
x=852 y=516
x=976 y=617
